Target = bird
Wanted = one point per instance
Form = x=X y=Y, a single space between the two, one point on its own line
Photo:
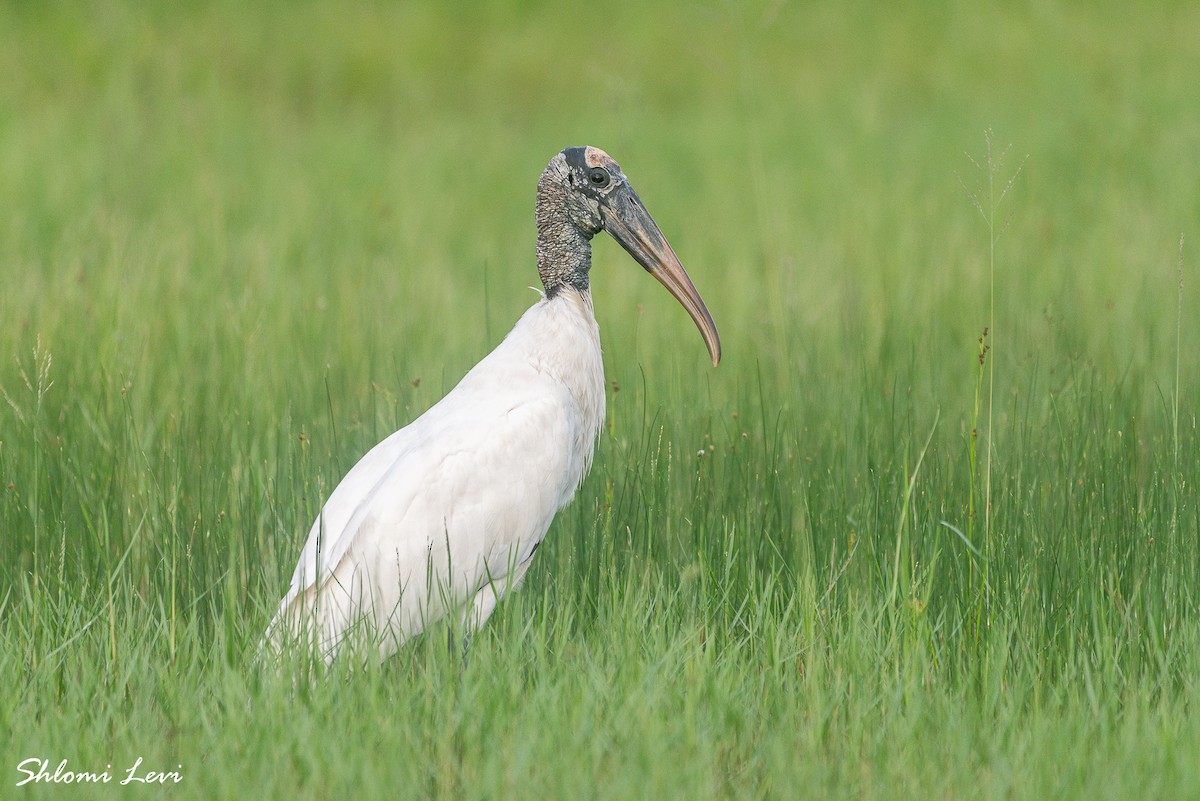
x=443 y=517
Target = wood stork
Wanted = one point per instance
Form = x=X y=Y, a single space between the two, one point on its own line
x=445 y=515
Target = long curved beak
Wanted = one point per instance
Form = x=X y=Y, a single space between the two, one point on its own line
x=628 y=222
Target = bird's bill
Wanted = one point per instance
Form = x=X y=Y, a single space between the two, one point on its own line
x=628 y=222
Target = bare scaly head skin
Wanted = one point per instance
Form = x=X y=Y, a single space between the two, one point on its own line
x=582 y=192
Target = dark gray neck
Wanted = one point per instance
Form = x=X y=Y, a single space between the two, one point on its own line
x=564 y=251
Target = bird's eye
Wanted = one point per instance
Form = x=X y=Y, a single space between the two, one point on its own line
x=599 y=177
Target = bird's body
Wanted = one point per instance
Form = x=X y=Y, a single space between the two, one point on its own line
x=444 y=516
x=523 y=417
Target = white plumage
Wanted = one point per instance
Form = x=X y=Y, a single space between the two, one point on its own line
x=445 y=515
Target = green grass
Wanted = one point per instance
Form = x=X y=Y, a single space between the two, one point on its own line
x=239 y=244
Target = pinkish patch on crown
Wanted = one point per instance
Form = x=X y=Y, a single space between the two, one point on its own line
x=595 y=157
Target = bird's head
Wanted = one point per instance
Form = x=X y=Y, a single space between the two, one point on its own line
x=583 y=192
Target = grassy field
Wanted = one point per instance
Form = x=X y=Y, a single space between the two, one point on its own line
x=863 y=558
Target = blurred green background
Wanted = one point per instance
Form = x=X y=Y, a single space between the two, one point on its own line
x=327 y=169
